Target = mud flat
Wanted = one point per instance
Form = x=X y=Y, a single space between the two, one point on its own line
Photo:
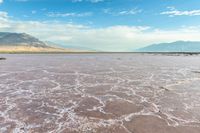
x=99 y=93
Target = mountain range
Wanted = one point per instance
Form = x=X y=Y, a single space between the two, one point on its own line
x=19 y=39
x=22 y=42
x=178 y=46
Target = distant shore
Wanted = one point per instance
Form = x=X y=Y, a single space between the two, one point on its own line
x=83 y=52
x=32 y=50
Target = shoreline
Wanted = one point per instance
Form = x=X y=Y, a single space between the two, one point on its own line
x=151 y=53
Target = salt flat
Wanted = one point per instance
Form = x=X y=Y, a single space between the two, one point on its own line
x=99 y=93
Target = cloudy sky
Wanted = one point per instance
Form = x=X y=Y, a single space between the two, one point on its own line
x=106 y=25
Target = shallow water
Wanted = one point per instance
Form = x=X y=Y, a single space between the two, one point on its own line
x=99 y=93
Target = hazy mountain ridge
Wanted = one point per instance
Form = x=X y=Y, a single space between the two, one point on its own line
x=178 y=46
x=20 y=39
x=12 y=42
x=25 y=43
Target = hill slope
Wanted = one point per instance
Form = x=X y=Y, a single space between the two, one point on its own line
x=19 y=39
x=179 y=46
x=22 y=42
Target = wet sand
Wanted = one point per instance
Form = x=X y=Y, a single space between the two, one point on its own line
x=99 y=93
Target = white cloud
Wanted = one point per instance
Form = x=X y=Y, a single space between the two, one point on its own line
x=92 y=1
x=96 y=1
x=33 y=12
x=69 y=14
x=1 y=1
x=113 y=38
x=3 y=14
x=4 y=22
x=130 y=12
x=122 y=12
x=174 y=12
x=21 y=0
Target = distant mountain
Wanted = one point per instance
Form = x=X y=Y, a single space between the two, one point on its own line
x=80 y=48
x=52 y=44
x=22 y=42
x=70 y=46
x=20 y=39
x=179 y=46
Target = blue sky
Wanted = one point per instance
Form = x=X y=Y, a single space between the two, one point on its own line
x=107 y=25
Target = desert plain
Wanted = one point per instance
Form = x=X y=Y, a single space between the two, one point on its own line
x=99 y=93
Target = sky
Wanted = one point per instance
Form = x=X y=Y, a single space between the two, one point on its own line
x=104 y=25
